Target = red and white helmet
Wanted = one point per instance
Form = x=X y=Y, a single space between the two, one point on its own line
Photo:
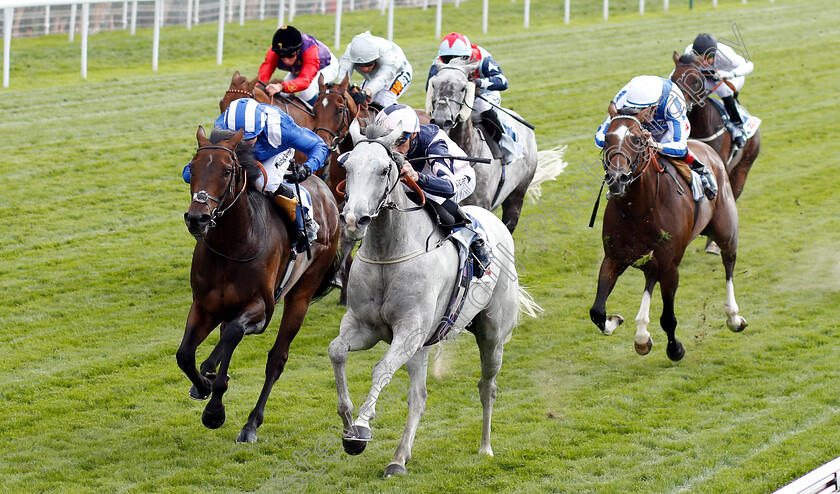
x=455 y=45
x=399 y=115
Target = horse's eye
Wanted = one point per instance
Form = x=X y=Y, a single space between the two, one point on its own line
x=227 y=172
x=384 y=172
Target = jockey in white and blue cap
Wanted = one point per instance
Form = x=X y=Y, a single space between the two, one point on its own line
x=660 y=107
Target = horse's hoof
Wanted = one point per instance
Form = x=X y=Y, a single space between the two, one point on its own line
x=739 y=325
x=712 y=248
x=197 y=395
x=613 y=321
x=356 y=440
x=644 y=349
x=213 y=420
x=676 y=351
x=394 y=469
x=247 y=436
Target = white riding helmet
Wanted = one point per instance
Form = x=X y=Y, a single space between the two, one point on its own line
x=455 y=45
x=641 y=92
x=399 y=115
x=363 y=49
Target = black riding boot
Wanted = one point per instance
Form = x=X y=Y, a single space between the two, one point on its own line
x=709 y=185
x=735 y=118
x=492 y=124
x=284 y=200
x=481 y=257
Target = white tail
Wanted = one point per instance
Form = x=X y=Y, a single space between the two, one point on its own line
x=527 y=304
x=549 y=164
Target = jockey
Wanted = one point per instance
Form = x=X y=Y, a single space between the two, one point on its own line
x=382 y=63
x=444 y=181
x=275 y=133
x=660 y=107
x=489 y=82
x=304 y=57
x=731 y=70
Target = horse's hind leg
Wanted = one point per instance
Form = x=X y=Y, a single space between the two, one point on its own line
x=491 y=350
x=668 y=282
x=725 y=232
x=512 y=207
x=734 y=321
x=417 y=367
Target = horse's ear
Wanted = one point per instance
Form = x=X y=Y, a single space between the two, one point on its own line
x=612 y=110
x=345 y=82
x=237 y=74
x=391 y=138
x=201 y=137
x=676 y=58
x=235 y=140
x=355 y=131
x=321 y=86
x=439 y=63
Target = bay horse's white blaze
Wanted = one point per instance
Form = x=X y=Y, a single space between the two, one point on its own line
x=401 y=301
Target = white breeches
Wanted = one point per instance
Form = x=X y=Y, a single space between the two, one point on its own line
x=275 y=168
x=330 y=72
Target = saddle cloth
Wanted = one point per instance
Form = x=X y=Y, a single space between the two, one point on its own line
x=751 y=123
x=690 y=176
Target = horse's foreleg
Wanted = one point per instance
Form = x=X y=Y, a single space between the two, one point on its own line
x=208 y=367
x=642 y=339
x=491 y=353
x=668 y=283
x=417 y=367
x=199 y=325
x=344 y=270
x=295 y=306
x=611 y=269
x=251 y=319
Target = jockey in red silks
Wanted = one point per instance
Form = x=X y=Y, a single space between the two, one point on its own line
x=304 y=57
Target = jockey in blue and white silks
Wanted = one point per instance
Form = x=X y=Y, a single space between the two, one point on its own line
x=660 y=107
x=277 y=137
x=729 y=67
x=444 y=181
x=490 y=82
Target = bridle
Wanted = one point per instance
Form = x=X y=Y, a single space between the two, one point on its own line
x=446 y=100
x=202 y=197
x=344 y=124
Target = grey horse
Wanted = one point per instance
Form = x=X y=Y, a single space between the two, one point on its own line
x=399 y=289
x=449 y=101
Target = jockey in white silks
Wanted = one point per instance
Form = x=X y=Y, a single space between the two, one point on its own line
x=730 y=67
x=660 y=107
x=444 y=181
x=489 y=81
x=277 y=136
x=383 y=65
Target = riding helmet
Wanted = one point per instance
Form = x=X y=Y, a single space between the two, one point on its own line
x=455 y=45
x=705 y=45
x=363 y=50
x=399 y=115
x=287 y=41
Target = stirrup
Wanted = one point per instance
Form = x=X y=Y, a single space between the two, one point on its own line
x=312 y=228
x=481 y=257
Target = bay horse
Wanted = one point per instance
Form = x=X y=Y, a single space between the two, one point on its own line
x=707 y=125
x=242 y=264
x=649 y=221
x=449 y=101
x=400 y=287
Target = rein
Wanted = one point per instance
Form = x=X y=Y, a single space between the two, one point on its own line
x=344 y=124
x=690 y=106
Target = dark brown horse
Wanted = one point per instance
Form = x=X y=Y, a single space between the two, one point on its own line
x=243 y=264
x=649 y=221
x=707 y=125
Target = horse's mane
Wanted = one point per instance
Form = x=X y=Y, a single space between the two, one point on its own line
x=375 y=130
x=244 y=152
x=688 y=59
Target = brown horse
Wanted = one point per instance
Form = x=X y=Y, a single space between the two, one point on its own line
x=649 y=221
x=707 y=125
x=243 y=264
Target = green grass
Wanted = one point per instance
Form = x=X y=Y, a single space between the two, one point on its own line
x=94 y=287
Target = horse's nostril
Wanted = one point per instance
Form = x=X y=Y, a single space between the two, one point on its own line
x=624 y=178
x=341 y=219
x=363 y=221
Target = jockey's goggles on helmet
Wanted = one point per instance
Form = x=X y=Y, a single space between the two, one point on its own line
x=287 y=52
x=401 y=139
x=368 y=64
x=448 y=58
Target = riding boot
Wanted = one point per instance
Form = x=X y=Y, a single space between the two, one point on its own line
x=709 y=185
x=492 y=124
x=284 y=200
x=735 y=117
x=481 y=257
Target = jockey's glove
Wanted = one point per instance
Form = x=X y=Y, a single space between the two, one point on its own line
x=724 y=74
x=359 y=97
x=297 y=173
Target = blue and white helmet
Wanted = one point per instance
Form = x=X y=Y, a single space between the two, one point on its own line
x=641 y=92
x=399 y=116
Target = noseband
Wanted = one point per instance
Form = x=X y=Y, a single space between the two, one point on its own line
x=202 y=196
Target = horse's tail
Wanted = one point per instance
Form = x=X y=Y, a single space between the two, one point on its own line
x=549 y=164
x=327 y=284
x=527 y=304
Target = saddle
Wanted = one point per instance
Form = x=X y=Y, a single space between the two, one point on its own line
x=444 y=215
